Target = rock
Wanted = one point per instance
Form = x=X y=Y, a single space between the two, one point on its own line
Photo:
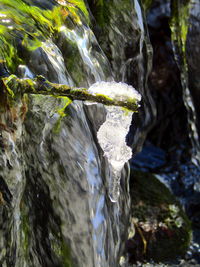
x=164 y=81
x=193 y=56
x=149 y=159
x=162 y=229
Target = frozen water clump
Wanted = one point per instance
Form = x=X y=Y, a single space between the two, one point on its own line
x=112 y=139
x=118 y=91
x=112 y=136
x=112 y=133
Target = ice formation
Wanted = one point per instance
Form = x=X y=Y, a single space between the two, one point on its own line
x=112 y=133
x=119 y=91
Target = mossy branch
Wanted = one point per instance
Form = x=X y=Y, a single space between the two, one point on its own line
x=15 y=86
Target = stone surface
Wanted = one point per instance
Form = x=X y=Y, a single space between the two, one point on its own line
x=162 y=229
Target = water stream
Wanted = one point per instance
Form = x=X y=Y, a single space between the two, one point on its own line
x=64 y=176
x=57 y=175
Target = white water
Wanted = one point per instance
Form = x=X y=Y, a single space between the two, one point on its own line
x=55 y=57
x=95 y=62
x=88 y=163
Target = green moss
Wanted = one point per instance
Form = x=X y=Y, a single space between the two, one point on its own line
x=30 y=25
x=147 y=4
x=73 y=60
x=154 y=205
x=79 y=4
x=25 y=233
x=179 y=26
x=114 y=29
x=66 y=255
x=62 y=113
x=101 y=11
x=61 y=250
x=104 y=97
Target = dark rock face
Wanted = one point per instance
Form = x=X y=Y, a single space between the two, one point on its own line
x=3 y=70
x=61 y=197
x=193 y=56
x=165 y=82
x=42 y=3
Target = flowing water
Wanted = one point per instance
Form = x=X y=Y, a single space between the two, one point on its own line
x=55 y=179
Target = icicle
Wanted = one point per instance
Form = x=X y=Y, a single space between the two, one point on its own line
x=112 y=133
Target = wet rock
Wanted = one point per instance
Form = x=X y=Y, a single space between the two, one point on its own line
x=164 y=81
x=193 y=56
x=162 y=229
x=42 y=3
x=3 y=70
x=193 y=209
x=150 y=158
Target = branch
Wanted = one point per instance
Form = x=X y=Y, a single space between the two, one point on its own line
x=15 y=86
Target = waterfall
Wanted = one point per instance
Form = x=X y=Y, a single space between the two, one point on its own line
x=73 y=146
x=56 y=179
